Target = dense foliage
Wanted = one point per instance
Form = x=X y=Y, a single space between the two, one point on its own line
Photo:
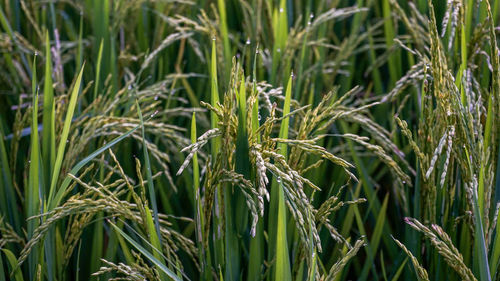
x=249 y=140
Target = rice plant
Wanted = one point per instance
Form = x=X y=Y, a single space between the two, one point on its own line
x=249 y=140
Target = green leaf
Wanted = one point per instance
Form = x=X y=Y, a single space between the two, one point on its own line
x=98 y=70
x=64 y=135
x=479 y=241
x=149 y=175
x=225 y=36
x=18 y=275
x=280 y=31
x=153 y=229
x=147 y=254
x=400 y=270
x=214 y=99
x=282 y=257
x=48 y=132
x=282 y=261
x=199 y=223
x=67 y=180
x=33 y=190
x=375 y=239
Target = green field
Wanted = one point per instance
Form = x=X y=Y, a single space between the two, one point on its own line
x=249 y=140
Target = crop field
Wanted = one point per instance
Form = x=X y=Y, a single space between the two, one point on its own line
x=249 y=140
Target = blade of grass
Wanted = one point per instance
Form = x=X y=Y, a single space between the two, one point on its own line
x=282 y=262
x=146 y=253
x=375 y=239
x=400 y=270
x=48 y=132
x=277 y=224
x=64 y=136
x=280 y=31
x=215 y=146
x=97 y=244
x=204 y=257
x=154 y=239
x=480 y=243
x=32 y=193
x=98 y=70
x=100 y=24
x=67 y=180
x=390 y=33
x=11 y=258
x=153 y=229
x=225 y=37
x=214 y=98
